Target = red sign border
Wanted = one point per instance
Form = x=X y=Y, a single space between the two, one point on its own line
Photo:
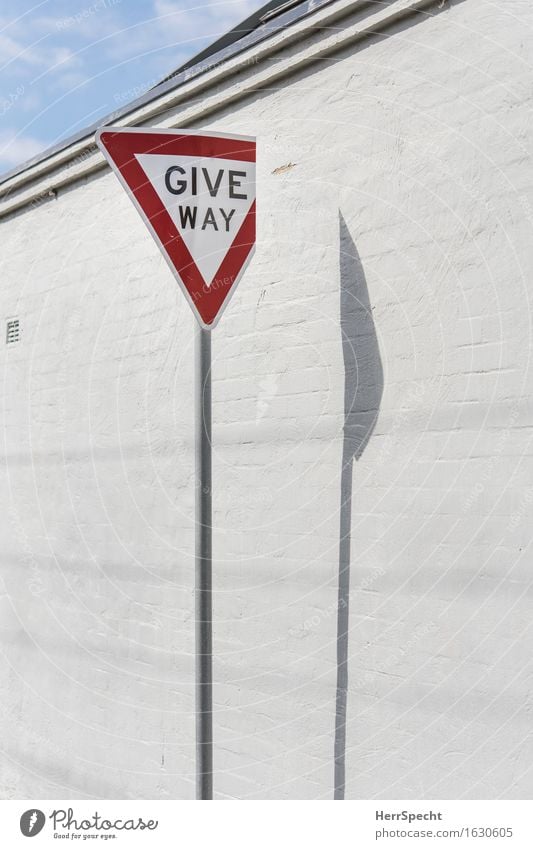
x=207 y=303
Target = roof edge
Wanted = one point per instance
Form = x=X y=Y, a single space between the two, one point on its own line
x=78 y=157
x=192 y=69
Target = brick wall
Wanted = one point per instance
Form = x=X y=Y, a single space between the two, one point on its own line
x=371 y=382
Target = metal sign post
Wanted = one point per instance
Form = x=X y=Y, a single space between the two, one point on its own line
x=195 y=191
x=203 y=568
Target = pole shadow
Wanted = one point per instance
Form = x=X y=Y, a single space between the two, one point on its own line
x=363 y=390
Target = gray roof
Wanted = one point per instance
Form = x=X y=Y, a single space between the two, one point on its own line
x=268 y=20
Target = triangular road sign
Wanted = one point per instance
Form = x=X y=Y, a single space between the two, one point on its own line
x=196 y=193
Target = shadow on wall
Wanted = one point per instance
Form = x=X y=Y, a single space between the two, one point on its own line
x=363 y=389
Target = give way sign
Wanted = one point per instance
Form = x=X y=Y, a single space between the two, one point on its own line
x=196 y=193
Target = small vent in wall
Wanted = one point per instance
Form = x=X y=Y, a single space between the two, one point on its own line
x=12 y=330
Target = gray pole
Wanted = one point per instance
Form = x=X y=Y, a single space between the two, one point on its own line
x=203 y=554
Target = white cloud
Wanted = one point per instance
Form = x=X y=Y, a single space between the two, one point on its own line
x=36 y=54
x=69 y=80
x=15 y=148
x=227 y=12
x=189 y=19
x=181 y=26
x=11 y=50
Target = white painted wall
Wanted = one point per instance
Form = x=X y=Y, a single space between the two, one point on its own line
x=420 y=140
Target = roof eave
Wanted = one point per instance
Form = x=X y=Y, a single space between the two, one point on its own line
x=192 y=69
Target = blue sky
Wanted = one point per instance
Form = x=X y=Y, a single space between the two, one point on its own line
x=66 y=63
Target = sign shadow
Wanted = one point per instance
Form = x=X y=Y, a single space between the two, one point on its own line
x=363 y=390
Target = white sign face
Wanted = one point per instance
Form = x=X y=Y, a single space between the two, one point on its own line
x=207 y=199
